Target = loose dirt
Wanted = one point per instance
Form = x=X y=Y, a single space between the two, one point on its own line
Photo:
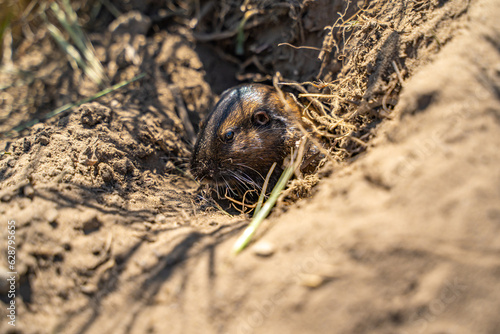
x=399 y=233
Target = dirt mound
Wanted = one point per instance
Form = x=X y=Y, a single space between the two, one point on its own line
x=400 y=235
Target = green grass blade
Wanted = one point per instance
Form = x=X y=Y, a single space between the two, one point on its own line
x=264 y=189
x=112 y=8
x=78 y=103
x=69 y=20
x=73 y=53
x=5 y=24
x=68 y=48
x=247 y=235
x=240 y=37
x=259 y=217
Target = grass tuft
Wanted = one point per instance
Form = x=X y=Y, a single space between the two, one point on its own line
x=81 y=50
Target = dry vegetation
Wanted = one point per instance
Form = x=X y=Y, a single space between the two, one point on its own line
x=99 y=105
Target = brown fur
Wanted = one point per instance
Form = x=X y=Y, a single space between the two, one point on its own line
x=245 y=160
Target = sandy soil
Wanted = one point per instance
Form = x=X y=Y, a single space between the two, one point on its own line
x=403 y=237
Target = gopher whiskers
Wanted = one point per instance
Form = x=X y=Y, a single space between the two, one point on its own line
x=247 y=180
x=244 y=181
x=252 y=169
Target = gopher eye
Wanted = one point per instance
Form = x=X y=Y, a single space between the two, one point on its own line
x=261 y=117
x=229 y=136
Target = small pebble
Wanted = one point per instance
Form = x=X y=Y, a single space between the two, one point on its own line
x=311 y=280
x=263 y=248
x=51 y=215
x=160 y=219
x=89 y=289
x=6 y=197
x=106 y=173
x=43 y=140
x=29 y=191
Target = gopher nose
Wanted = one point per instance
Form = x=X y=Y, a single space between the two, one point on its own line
x=204 y=169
